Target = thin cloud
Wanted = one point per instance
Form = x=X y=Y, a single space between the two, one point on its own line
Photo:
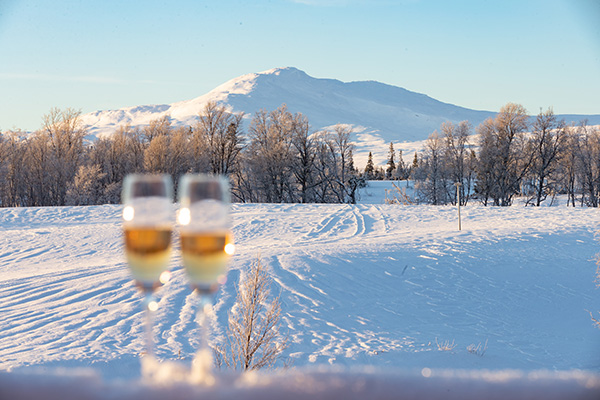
x=74 y=79
x=60 y=78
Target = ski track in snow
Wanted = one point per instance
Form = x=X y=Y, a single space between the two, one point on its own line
x=362 y=284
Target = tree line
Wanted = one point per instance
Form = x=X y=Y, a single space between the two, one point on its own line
x=277 y=160
x=510 y=157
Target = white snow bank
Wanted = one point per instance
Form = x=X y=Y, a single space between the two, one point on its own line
x=314 y=383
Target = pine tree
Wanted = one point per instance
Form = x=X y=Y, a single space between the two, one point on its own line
x=415 y=163
x=351 y=162
x=391 y=165
x=401 y=168
x=369 y=168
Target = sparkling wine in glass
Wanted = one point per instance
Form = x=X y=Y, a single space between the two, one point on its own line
x=148 y=227
x=206 y=246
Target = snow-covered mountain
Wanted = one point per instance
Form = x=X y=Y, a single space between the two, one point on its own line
x=379 y=113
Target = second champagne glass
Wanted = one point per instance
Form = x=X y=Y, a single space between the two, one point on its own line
x=148 y=226
x=206 y=245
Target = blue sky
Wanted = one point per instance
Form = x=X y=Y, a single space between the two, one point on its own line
x=105 y=54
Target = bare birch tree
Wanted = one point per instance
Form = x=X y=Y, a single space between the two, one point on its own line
x=568 y=164
x=86 y=187
x=546 y=142
x=503 y=161
x=304 y=160
x=13 y=170
x=269 y=154
x=432 y=181
x=341 y=175
x=219 y=132
x=171 y=152
x=39 y=177
x=63 y=132
x=117 y=155
x=588 y=163
x=254 y=340
x=457 y=157
x=156 y=128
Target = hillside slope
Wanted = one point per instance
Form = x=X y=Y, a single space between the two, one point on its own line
x=379 y=113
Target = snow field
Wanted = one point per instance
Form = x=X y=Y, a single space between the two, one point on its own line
x=367 y=284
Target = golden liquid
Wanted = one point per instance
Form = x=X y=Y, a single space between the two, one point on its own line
x=148 y=252
x=204 y=256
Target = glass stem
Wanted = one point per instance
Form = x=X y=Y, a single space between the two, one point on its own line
x=203 y=361
x=149 y=307
x=202 y=319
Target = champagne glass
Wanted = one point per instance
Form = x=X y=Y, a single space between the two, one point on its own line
x=148 y=227
x=206 y=245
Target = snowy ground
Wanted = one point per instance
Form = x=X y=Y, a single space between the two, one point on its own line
x=366 y=285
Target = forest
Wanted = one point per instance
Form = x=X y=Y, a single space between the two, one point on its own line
x=280 y=160
x=511 y=157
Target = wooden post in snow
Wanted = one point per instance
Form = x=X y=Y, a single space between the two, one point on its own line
x=458 y=185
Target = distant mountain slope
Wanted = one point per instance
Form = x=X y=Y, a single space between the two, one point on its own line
x=378 y=112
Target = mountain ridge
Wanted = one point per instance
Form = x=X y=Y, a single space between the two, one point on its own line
x=379 y=113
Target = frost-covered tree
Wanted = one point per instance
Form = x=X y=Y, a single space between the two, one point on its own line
x=546 y=142
x=457 y=158
x=431 y=180
x=39 y=178
x=86 y=187
x=446 y=160
x=588 y=163
x=120 y=154
x=169 y=151
x=156 y=128
x=269 y=154
x=304 y=161
x=63 y=134
x=567 y=164
x=503 y=161
x=254 y=339
x=180 y=154
x=156 y=156
x=341 y=175
x=219 y=133
x=2 y=150
x=324 y=165
x=402 y=170
x=13 y=170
